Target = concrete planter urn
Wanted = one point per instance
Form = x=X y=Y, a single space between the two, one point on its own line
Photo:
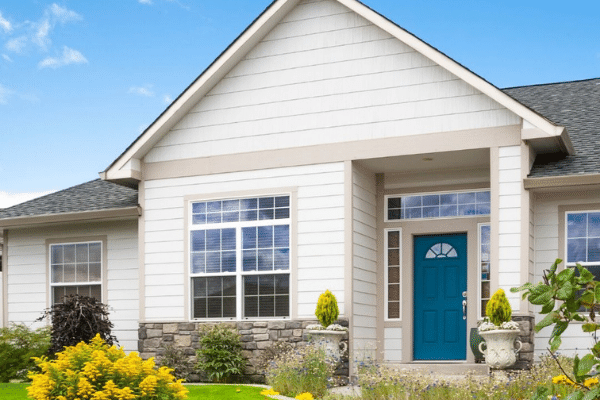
x=330 y=341
x=500 y=351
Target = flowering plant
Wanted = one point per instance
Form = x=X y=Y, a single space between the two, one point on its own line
x=332 y=327
x=488 y=326
x=97 y=371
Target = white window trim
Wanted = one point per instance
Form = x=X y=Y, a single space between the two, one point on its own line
x=566 y=240
x=239 y=273
x=52 y=285
x=386 y=278
x=387 y=196
x=479 y=261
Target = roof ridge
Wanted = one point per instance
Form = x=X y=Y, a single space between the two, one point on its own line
x=551 y=83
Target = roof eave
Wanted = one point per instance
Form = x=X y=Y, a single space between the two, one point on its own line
x=563 y=181
x=82 y=216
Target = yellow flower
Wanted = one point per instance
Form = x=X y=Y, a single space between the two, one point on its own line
x=590 y=382
x=304 y=396
x=562 y=380
x=269 y=392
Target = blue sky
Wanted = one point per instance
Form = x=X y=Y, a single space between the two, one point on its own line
x=80 y=80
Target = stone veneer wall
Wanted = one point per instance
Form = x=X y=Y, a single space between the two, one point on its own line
x=526 y=335
x=256 y=336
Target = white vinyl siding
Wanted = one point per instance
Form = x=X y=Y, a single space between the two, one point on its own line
x=509 y=229
x=326 y=75
x=28 y=283
x=393 y=345
x=364 y=260
x=319 y=227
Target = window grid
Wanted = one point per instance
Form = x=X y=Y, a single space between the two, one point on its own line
x=583 y=238
x=484 y=265
x=75 y=268
x=267 y=257
x=393 y=262
x=438 y=205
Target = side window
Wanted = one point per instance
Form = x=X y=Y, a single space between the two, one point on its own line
x=393 y=262
x=484 y=265
x=583 y=240
x=76 y=268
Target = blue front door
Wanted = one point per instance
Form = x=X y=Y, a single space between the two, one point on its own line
x=440 y=278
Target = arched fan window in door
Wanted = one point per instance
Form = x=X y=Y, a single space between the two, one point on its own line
x=441 y=250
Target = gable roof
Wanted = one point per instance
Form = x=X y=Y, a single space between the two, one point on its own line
x=126 y=168
x=575 y=105
x=91 y=200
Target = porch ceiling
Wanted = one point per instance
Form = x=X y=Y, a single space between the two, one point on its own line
x=417 y=163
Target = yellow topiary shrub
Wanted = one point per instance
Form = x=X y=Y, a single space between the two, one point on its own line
x=498 y=309
x=327 y=311
x=97 y=371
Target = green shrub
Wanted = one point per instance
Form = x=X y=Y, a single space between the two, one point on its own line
x=220 y=353
x=178 y=361
x=498 y=309
x=18 y=344
x=301 y=370
x=101 y=372
x=327 y=311
x=78 y=319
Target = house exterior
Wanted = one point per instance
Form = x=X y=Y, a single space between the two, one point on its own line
x=326 y=148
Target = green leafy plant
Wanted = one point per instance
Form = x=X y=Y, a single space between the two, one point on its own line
x=563 y=296
x=498 y=309
x=220 y=353
x=18 y=344
x=78 y=319
x=300 y=370
x=327 y=311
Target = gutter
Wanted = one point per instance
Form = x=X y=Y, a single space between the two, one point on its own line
x=27 y=221
x=561 y=181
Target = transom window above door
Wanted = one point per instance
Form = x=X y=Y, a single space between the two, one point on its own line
x=438 y=205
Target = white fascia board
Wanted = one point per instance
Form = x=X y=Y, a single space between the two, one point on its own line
x=202 y=85
x=455 y=68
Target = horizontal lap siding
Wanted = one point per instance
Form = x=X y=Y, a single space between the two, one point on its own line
x=509 y=268
x=326 y=75
x=364 y=261
x=393 y=345
x=27 y=284
x=546 y=221
x=320 y=232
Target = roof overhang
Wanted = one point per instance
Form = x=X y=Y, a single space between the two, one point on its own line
x=123 y=169
x=85 y=216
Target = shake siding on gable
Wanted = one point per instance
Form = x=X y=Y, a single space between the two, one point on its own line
x=319 y=226
x=326 y=75
x=27 y=264
x=364 y=261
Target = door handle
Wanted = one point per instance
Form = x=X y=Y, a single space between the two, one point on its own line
x=464 y=304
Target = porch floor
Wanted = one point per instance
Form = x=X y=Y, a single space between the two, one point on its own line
x=445 y=369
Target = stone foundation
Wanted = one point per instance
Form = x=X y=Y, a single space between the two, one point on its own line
x=526 y=336
x=256 y=337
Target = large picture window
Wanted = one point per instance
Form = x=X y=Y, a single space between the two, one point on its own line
x=583 y=240
x=240 y=258
x=76 y=268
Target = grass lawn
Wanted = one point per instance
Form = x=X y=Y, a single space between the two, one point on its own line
x=16 y=391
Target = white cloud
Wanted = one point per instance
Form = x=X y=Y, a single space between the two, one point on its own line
x=7 y=58
x=142 y=90
x=5 y=24
x=63 y=14
x=16 y=45
x=11 y=199
x=69 y=56
x=41 y=36
x=167 y=99
x=5 y=93
x=145 y=2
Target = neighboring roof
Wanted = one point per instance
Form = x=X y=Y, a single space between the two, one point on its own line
x=576 y=106
x=118 y=172
x=96 y=195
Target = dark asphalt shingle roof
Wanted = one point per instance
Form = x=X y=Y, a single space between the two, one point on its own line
x=576 y=106
x=96 y=195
